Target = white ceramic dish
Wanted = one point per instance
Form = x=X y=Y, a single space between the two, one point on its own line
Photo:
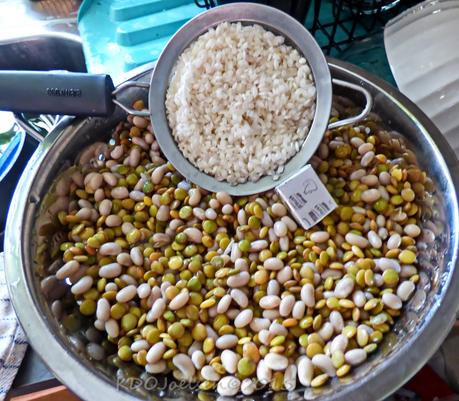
x=422 y=46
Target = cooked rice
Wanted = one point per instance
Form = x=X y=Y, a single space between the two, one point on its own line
x=240 y=102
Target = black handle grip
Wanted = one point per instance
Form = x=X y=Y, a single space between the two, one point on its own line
x=56 y=92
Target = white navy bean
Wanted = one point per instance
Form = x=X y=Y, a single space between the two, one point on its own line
x=355 y=239
x=241 y=264
x=264 y=373
x=382 y=232
x=224 y=304
x=284 y=243
x=265 y=336
x=273 y=264
x=405 y=289
x=374 y=239
x=336 y=319
x=232 y=313
x=266 y=220
x=378 y=279
x=140 y=345
x=226 y=341
x=278 y=210
x=228 y=386
x=355 y=356
x=370 y=195
x=110 y=270
x=156 y=352
x=227 y=209
x=305 y=370
x=357 y=174
x=277 y=329
x=210 y=214
x=163 y=213
x=259 y=324
x=209 y=373
x=298 y=310
x=324 y=363
x=67 y=270
x=126 y=294
x=184 y=364
x=82 y=285
x=143 y=290
x=356 y=141
x=290 y=223
x=384 y=178
x=193 y=234
x=387 y=263
x=258 y=245
x=391 y=300
x=242 y=217
x=344 y=287
x=113 y=220
x=290 y=377
x=239 y=297
x=112 y=328
x=284 y=274
x=158 y=308
x=243 y=318
x=269 y=301
x=248 y=386
x=273 y=287
x=111 y=287
x=229 y=360
x=224 y=198
x=394 y=241
x=195 y=197
x=367 y=158
x=319 y=236
x=412 y=230
x=371 y=180
x=326 y=331
x=180 y=300
x=158 y=174
x=276 y=361
x=198 y=358
x=128 y=279
x=103 y=310
x=358 y=297
x=83 y=214
x=238 y=280
x=286 y=305
x=365 y=147
x=157 y=367
x=307 y=295
x=120 y=193
x=339 y=343
x=110 y=248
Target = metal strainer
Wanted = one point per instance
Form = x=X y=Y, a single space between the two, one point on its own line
x=297 y=36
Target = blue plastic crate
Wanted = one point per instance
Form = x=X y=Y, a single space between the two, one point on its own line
x=119 y=35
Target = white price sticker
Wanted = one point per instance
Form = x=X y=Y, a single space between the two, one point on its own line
x=307 y=197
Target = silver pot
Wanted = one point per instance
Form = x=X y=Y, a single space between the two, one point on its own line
x=425 y=321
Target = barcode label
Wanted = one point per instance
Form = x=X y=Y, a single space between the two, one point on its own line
x=307 y=198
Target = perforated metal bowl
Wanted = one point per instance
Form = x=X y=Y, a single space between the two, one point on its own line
x=424 y=323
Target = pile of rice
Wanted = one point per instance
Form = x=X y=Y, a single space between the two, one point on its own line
x=240 y=102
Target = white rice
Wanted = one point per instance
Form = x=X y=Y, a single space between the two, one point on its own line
x=240 y=102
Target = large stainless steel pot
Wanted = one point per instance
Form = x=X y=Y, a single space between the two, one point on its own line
x=425 y=322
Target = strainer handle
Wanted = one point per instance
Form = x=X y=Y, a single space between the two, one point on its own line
x=364 y=113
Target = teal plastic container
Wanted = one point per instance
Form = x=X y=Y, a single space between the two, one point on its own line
x=119 y=35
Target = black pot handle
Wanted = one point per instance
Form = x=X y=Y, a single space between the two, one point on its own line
x=56 y=92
